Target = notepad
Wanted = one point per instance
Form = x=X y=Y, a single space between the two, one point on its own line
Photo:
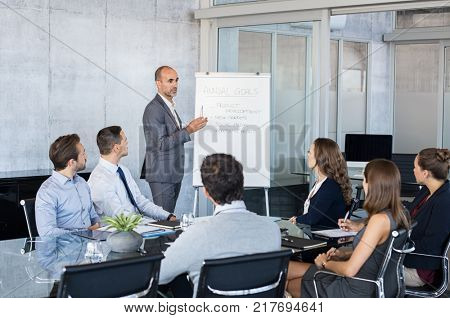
x=334 y=233
x=301 y=243
x=172 y=225
x=161 y=232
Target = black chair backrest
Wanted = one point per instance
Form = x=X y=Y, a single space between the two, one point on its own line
x=391 y=271
x=28 y=209
x=258 y=275
x=116 y=278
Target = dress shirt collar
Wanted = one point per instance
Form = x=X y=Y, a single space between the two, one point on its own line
x=169 y=103
x=62 y=179
x=108 y=165
x=235 y=206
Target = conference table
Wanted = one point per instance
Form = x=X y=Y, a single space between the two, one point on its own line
x=32 y=269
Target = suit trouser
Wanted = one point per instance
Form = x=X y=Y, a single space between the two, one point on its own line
x=165 y=194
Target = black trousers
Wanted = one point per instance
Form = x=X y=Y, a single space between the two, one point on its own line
x=179 y=287
x=165 y=194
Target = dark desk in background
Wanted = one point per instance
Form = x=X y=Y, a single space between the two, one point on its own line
x=16 y=186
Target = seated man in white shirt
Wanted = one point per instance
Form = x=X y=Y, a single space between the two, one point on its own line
x=113 y=188
x=232 y=231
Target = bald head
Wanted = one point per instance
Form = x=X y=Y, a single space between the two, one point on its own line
x=166 y=81
x=160 y=69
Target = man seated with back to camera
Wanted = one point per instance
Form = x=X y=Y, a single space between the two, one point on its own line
x=232 y=231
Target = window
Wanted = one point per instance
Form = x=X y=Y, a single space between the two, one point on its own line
x=332 y=115
x=423 y=18
x=416 y=94
x=351 y=84
x=284 y=55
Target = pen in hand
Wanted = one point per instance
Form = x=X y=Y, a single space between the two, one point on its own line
x=342 y=225
x=346 y=216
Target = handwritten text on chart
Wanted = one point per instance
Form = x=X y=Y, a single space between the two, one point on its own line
x=229 y=92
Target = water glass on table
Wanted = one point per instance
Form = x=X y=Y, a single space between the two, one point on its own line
x=187 y=220
x=94 y=252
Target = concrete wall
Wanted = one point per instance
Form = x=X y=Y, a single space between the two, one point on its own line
x=78 y=66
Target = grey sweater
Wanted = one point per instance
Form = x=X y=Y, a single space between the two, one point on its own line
x=232 y=231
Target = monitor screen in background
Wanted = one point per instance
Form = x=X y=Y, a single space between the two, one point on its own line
x=360 y=147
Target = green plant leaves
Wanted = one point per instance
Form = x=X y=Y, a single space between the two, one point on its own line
x=122 y=222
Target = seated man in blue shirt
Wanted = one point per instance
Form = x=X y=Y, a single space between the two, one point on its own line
x=63 y=202
x=113 y=188
x=232 y=231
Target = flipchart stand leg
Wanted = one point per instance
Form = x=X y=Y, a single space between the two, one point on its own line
x=194 y=210
x=266 y=192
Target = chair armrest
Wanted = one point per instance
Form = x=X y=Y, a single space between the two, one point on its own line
x=337 y=275
x=429 y=255
x=405 y=251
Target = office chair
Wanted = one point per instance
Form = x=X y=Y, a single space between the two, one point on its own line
x=391 y=269
x=428 y=290
x=258 y=275
x=118 y=278
x=30 y=218
x=28 y=209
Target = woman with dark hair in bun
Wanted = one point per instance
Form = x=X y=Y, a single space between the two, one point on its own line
x=431 y=210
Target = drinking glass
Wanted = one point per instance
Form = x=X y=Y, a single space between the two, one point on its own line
x=94 y=252
x=184 y=221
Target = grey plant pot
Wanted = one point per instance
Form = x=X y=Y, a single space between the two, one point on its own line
x=124 y=242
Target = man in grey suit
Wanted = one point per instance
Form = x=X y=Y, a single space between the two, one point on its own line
x=165 y=137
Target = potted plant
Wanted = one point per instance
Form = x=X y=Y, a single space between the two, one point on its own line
x=124 y=239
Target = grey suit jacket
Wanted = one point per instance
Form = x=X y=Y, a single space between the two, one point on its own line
x=164 y=158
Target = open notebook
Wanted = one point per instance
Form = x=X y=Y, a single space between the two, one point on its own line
x=334 y=233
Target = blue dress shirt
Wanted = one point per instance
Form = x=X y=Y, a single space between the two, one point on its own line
x=64 y=205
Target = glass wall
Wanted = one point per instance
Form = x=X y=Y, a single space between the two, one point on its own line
x=254 y=52
x=284 y=55
x=353 y=100
x=446 y=117
x=416 y=94
x=332 y=115
x=289 y=110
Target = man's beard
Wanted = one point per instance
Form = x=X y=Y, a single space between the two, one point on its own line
x=81 y=168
